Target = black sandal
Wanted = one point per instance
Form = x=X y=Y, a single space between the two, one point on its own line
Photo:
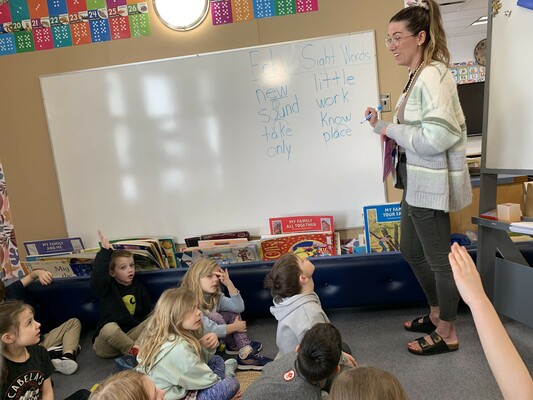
x=426 y=326
x=439 y=346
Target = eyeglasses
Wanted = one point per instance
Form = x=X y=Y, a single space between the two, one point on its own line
x=395 y=39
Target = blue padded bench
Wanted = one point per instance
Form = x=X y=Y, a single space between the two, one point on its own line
x=358 y=280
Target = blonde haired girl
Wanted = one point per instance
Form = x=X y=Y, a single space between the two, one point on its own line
x=366 y=383
x=221 y=314
x=176 y=356
x=127 y=385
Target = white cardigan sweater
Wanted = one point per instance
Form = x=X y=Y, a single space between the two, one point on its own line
x=434 y=138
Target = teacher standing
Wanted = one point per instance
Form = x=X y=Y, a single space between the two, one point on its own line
x=429 y=128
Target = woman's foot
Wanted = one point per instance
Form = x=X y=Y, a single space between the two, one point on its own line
x=426 y=321
x=445 y=332
x=431 y=344
x=423 y=324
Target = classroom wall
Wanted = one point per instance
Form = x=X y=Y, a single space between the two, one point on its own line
x=462 y=47
x=25 y=148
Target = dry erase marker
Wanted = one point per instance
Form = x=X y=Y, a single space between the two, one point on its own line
x=367 y=118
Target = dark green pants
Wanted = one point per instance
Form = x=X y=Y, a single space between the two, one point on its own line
x=425 y=245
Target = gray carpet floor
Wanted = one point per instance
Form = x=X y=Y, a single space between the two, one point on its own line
x=376 y=338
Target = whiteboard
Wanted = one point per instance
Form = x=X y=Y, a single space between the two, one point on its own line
x=218 y=142
x=509 y=143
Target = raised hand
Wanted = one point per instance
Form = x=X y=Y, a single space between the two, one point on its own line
x=466 y=275
x=104 y=241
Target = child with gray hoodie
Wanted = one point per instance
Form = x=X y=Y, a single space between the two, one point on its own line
x=296 y=305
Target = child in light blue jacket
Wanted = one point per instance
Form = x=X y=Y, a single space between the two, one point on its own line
x=176 y=356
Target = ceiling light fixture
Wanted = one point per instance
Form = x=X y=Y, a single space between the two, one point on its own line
x=181 y=15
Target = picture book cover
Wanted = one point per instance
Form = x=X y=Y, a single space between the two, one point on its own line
x=382 y=227
x=230 y=254
x=58 y=268
x=169 y=248
x=313 y=244
x=301 y=223
x=50 y=246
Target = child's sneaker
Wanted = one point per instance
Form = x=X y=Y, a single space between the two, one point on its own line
x=57 y=351
x=249 y=360
x=230 y=366
x=256 y=346
x=67 y=364
x=128 y=361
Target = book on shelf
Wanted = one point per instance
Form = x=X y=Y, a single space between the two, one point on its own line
x=382 y=227
x=58 y=268
x=221 y=242
x=525 y=227
x=309 y=244
x=148 y=248
x=169 y=249
x=491 y=214
x=301 y=223
x=354 y=245
x=193 y=241
x=80 y=255
x=50 y=246
x=223 y=254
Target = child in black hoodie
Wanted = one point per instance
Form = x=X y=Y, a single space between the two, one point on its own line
x=124 y=302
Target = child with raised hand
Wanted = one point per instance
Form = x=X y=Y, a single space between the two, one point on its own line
x=124 y=303
x=62 y=342
x=301 y=374
x=508 y=368
x=26 y=366
x=176 y=356
x=221 y=314
x=296 y=305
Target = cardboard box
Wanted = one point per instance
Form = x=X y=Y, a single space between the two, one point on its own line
x=509 y=212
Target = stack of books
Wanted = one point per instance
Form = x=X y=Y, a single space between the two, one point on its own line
x=149 y=253
x=68 y=257
x=224 y=248
x=306 y=235
x=63 y=258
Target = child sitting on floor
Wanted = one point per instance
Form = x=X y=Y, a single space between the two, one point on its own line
x=296 y=305
x=221 y=314
x=62 y=342
x=366 y=383
x=26 y=366
x=127 y=385
x=301 y=374
x=124 y=303
x=176 y=356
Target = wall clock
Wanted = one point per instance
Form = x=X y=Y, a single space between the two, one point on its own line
x=480 y=52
